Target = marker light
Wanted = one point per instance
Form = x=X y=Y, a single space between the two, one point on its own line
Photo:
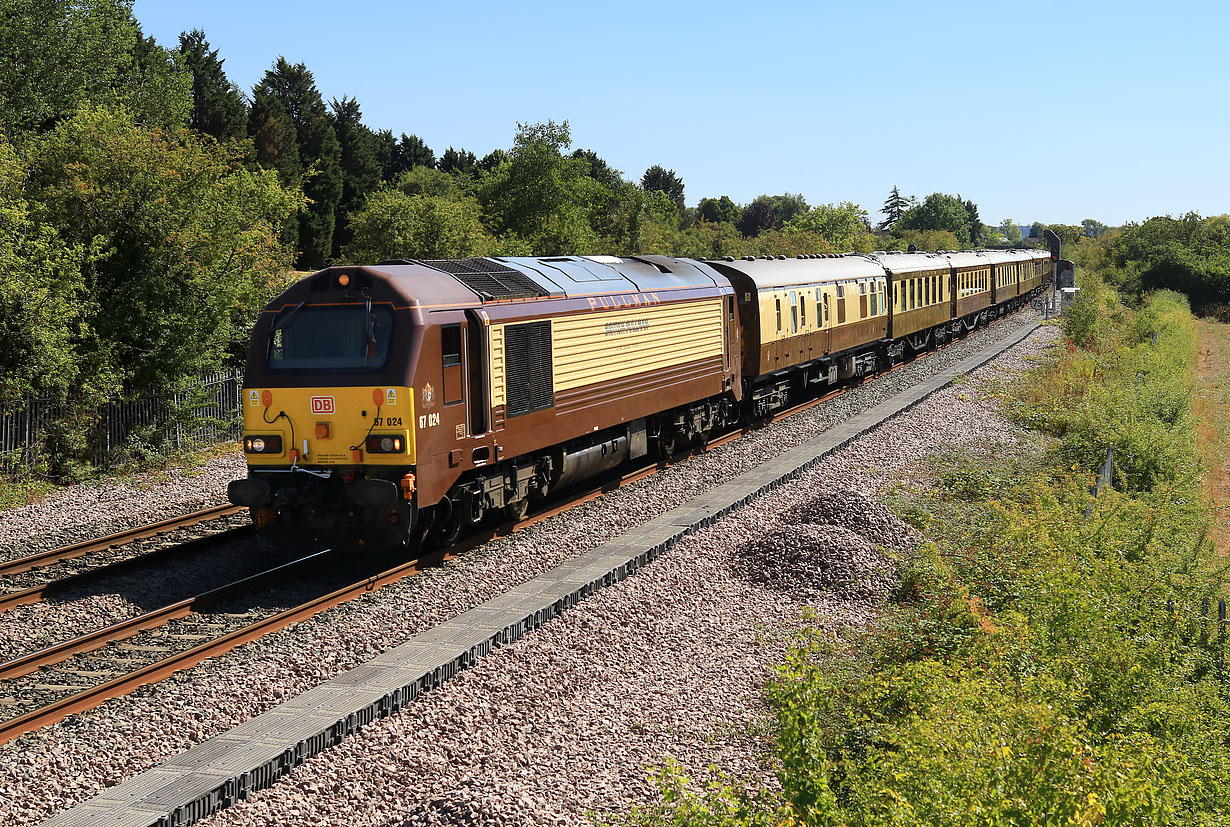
x=378 y=397
x=267 y=399
x=343 y=279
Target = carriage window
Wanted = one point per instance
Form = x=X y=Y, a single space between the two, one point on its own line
x=826 y=308
x=779 y=315
x=803 y=310
x=821 y=317
x=875 y=310
x=794 y=312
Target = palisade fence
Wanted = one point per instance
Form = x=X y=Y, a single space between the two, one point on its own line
x=217 y=416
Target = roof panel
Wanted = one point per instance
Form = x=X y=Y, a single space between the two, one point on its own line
x=772 y=273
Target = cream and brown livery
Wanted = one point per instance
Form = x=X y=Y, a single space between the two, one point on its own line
x=403 y=401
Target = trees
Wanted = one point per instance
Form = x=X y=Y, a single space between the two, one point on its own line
x=359 y=165
x=541 y=194
x=392 y=224
x=180 y=244
x=894 y=207
x=58 y=54
x=785 y=206
x=42 y=295
x=940 y=211
x=294 y=88
x=1036 y=229
x=660 y=179
x=457 y=161
x=756 y=218
x=218 y=106
x=1010 y=230
x=841 y=225
x=1094 y=229
x=718 y=210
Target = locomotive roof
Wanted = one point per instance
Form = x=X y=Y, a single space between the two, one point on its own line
x=771 y=273
x=496 y=280
x=897 y=263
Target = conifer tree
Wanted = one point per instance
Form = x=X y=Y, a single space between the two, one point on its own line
x=295 y=89
x=360 y=167
x=894 y=207
x=218 y=106
x=457 y=161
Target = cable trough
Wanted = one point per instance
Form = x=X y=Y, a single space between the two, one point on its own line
x=230 y=766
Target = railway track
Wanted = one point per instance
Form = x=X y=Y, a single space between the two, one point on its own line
x=122 y=538
x=113 y=661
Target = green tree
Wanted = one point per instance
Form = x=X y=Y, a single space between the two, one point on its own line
x=660 y=179
x=718 y=210
x=841 y=225
x=42 y=296
x=940 y=211
x=56 y=55
x=178 y=235
x=1094 y=229
x=785 y=206
x=428 y=181
x=1036 y=229
x=600 y=170
x=360 y=166
x=756 y=218
x=1010 y=230
x=894 y=207
x=218 y=106
x=409 y=152
x=392 y=224
x=319 y=153
x=458 y=162
x=542 y=195
x=973 y=223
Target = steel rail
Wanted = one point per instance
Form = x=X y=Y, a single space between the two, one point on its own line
x=131 y=535
x=36 y=593
x=152 y=673
x=124 y=629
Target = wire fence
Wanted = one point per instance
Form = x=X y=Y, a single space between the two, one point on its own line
x=209 y=411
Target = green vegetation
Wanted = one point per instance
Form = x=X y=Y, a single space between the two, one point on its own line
x=1037 y=664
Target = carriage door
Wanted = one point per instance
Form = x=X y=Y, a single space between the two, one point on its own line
x=476 y=371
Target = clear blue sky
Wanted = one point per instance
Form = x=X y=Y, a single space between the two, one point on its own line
x=1043 y=111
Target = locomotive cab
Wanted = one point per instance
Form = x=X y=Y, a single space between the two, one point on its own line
x=329 y=411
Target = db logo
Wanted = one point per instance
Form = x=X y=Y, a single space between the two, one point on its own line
x=322 y=405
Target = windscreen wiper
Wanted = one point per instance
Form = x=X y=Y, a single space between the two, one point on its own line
x=278 y=325
x=371 y=334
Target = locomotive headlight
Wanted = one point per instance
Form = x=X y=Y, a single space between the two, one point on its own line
x=386 y=444
x=264 y=444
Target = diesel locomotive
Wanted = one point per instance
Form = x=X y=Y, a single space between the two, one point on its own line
x=399 y=403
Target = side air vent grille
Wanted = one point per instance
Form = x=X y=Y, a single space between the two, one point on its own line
x=527 y=357
x=491 y=280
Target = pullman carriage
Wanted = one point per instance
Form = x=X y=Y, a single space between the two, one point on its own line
x=921 y=296
x=806 y=321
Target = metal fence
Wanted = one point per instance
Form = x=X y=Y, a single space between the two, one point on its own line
x=209 y=411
